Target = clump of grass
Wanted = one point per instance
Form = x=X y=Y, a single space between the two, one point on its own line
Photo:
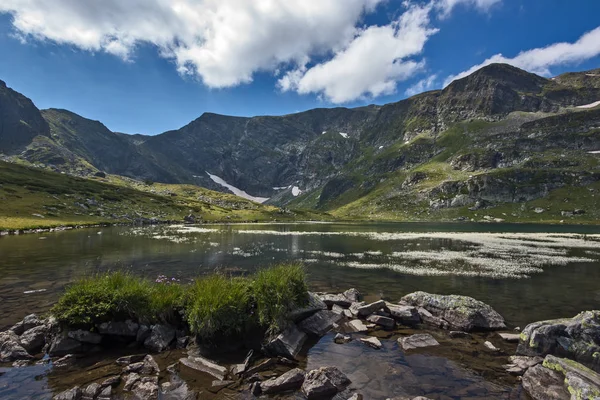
x=116 y=296
x=218 y=304
x=277 y=291
x=214 y=306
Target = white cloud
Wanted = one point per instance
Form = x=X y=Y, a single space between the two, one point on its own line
x=224 y=42
x=371 y=64
x=446 y=6
x=540 y=60
x=422 y=86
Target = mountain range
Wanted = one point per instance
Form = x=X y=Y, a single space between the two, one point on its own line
x=501 y=143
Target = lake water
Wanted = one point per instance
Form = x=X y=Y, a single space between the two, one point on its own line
x=526 y=272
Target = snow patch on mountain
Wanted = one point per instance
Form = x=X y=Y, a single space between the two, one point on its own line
x=236 y=191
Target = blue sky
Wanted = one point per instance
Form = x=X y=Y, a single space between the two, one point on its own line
x=149 y=66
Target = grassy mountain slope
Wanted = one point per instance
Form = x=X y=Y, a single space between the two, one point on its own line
x=35 y=198
x=498 y=137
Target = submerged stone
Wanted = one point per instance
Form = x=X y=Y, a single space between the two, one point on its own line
x=417 y=341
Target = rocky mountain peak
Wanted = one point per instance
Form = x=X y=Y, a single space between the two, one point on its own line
x=503 y=75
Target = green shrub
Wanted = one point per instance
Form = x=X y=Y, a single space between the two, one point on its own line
x=218 y=305
x=277 y=291
x=116 y=295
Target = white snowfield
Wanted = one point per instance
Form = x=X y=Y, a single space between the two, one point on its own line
x=344 y=135
x=236 y=191
x=591 y=105
x=594 y=152
x=296 y=191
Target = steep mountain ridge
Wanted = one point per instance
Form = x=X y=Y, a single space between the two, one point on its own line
x=497 y=118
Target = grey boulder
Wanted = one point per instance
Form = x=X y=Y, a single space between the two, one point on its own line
x=34 y=339
x=160 y=338
x=544 y=384
x=417 y=341
x=460 y=312
x=10 y=349
x=119 y=328
x=577 y=338
x=320 y=323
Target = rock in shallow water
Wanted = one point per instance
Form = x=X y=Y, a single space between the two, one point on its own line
x=406 y=315
x=519 y=364
x=71 y=394
x=372 y=342
x=386 y=322
x=417 y=341
x=577 y=338
x=10 y=349
x=34 y=339
x=288 y=343
x=160 y=338
x=320 y=323
x=202 y=364
x=460 y=312
x=544 y=384
x=322 y=382
x=289 y=381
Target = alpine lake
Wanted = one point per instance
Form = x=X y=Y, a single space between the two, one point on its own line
x=525 y=272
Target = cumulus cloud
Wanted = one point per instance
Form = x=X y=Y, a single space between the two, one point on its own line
x=540 y=60
x=224 y=42
x=446 y=6
x=371 y=64
x=422 y=85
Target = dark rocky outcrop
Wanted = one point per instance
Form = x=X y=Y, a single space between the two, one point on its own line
x=460 y=312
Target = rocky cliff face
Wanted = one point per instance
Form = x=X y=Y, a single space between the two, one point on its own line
x=20 y=121
x=466 y=140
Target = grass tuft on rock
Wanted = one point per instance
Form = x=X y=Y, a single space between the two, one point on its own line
x=277 y=291
x=116 y=296
x=213 y=306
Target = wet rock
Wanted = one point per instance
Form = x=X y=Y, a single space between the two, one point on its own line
x=544 y=384
x=386 y=322
x=112 y=381
x=149 y=366
x=126 y=328
x=519 y=364
x=291 y=380
x=580 y=381
x=337 y=299
x=314 y=305
x=160 y=338
x=131 y=359
x=323 y=382
x=405 y=315
x=145 y=389
x=320 y=323
x=91 y=391
x=262 y=366
x=337 y=309
x=354 y=308
x=509 y=337
x=341 y=339
x=288 y=343
x=417 y=341
x=85 y=336
x=64 y=362
x=461 y=312
x=217 y=386
x=239 y=369
x=142 y=334
x=353 y=295
x=432 y=320
x=182 y=342
x=458 y=335
x=490 y=346
x=255 y=388
x=20 y=363
x=10 y=349
x=372 y=342
x=348 y=314
x=357 y=326
x=202 y=364
x=133 y=367
x=63 y=345
x=577 y=338
x=31 y=321
x=368 y=309
x=130 y=380
x=105 y=393
x=71 y=394
x=34 y=339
